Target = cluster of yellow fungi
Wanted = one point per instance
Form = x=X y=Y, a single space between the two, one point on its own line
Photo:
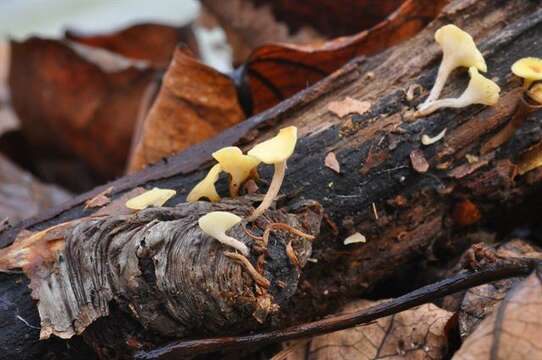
x=459 y=50
x=240 y=168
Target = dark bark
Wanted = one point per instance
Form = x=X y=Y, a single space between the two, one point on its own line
x=406 y=216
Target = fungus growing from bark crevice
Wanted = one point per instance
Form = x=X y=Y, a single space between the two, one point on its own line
x=458 y=50
x=155 y=197
x=480 y=90
x=216 y=223
x=206 y=187
x=238 y=165
x=274 y=151
x=529 y=68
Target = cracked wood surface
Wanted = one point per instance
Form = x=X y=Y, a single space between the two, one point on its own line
x=414 y=210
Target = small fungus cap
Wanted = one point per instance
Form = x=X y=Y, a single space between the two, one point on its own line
x=535 y=93
x=481 y=90
x=155 y=197
x=276 y=149
x=529 y=68
x=459 y=46
x=234 y=162
x=216 y=223
x=206 y=187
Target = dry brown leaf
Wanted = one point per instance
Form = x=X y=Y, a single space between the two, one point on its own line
x=195 y=103
x=348 y=106
x=418 y=161
x=248 y=26
x=23 y=196
x=331 y=162
x=99 y=200
x=480 y=301
x=154 y=43
x=418 y=333
x=77 y=104
x=513 y=331
x=277 y=71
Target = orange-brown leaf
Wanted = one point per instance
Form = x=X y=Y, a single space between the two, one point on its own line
x=275 y=72
x=195 y=103
x=69 y=101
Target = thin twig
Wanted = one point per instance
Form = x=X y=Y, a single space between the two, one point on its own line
x=417 y=297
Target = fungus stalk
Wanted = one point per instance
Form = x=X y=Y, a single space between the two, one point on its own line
x=272 y=192
x=216 y=223
x=479 y=91
x=458 y=50
x=274 y=151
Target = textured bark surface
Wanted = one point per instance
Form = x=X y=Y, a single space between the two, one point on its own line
x=406 y=216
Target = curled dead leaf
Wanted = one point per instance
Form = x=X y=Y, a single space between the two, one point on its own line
x=479 y=302
x=277 y=71
x=195 y=103
x=513 y=329
x=69 y=103
x=348 y=106
x=331 y=162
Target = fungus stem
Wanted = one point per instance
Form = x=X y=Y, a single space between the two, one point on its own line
x=444 y=71
x=431 y=107
x=272 y=192
x=234 y=243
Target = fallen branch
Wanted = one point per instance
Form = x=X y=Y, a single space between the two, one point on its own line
x=426 y=294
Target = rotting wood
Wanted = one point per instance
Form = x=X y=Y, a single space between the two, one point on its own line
x=403 y=233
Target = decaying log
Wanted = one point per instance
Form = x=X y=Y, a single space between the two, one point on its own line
x=406 y=216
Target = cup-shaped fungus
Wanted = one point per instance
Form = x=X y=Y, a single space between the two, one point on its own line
x=155 y=197
x=275 y=151
x=216 y=223
x=458 y=50
x=535 y=93
x=239 y=166
x=529 y=68
x=480 y=90
x=206 y=187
